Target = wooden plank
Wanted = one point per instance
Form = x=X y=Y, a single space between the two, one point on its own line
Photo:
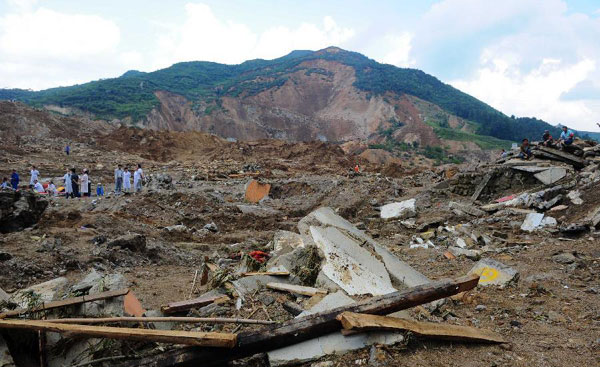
x=216 y=320
x=297 y=289
x=67 y=302
x=300 y=329
x=193 y=303
x=362 y=322
x=273 y=273
x=481 y=186
x=220 y=340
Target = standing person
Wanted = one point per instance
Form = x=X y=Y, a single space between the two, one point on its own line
x=67 y=149
x=68 y=184
x=75 y=183
x=14 y=180
x=85 y=188
x=118 y=179
x=34 y=176
x=138 y=176
x=126 y=180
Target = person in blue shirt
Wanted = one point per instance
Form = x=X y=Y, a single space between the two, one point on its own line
x=99 y=189
x=566 y=137
x=14 y=180
x=67 y=149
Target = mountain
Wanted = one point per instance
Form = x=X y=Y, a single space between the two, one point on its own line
x=331 y=94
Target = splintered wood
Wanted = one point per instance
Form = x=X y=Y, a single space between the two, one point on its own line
x=193 y=303
x=354 y=322
x=297 y=289
x=162 y=336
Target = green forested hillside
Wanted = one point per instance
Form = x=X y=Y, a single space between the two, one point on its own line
x=131 y=95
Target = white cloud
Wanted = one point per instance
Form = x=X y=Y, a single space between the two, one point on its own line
x=204 y=36
x=42 y=48
x=398 y=50
x=536 y=93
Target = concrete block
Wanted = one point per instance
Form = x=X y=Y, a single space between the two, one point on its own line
x=551 y=175
x=401 y=210
x=492 y=272
x=532 y=221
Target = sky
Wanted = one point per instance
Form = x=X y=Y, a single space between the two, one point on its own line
x=524 y=57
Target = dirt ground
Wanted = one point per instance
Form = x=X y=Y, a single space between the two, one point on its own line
x=550 y=316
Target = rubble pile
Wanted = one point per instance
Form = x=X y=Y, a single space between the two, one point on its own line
x=275 y=254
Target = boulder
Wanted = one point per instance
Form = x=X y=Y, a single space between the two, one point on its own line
x=134 y=242
x=43 y=292
x=401 y=210
x=20 y=209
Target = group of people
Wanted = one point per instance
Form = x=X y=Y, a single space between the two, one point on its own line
x=78 y=185
x=567 y=137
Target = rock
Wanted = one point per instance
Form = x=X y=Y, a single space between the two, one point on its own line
x=532 y=221
x=107 y=307
x=303 y=262
x=259 y=211
x=555 y=317
x=548 y=222
x=461 y=243
x=212 y=227
x=43 y=292
x=470 y=254
x=252 y=283
x=492 y=272
x=402 y=210
x=88 y=282
x=285 y=242
x=5 y=256
x=377 y=357
x=323 y=364
x=6 y=359
x=98 y=240
x=575 y=197
x=469 y=209
x=159 y=325
x=178 y=228
x=133 y=242
x=161 y=181
x=551 y=175
x=480 y=308
x=20 y=209
x=565 y=258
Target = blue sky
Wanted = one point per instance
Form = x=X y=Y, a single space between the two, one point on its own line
x=525 y=57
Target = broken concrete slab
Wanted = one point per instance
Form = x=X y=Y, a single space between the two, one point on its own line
x=551 y=175
x=530 y=169
x=4 y=297
x=575 y=197
x=349 y=265
x=285 y=242
x=469 y=254
x=329 y=302
x=256 y=191
x=532 y=221
x=492 y=272
x=468 y=209
x=43 y=292
x=400 y=210
x=326 y=217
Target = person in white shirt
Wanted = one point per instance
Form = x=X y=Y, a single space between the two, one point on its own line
x=38 y=187
x=138 y=176
x=85 y=181
x=34 y=176
x=126 y=180
x=68 y=184
x=51 y=189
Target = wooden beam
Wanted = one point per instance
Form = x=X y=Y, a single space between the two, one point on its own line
x=272 y=273
x=201 y=301
x=297 y=289
x=220 y=340
x=215 y=320
x=304 y=328
x=481 y=186
x=362 y=322
x=66 y=302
